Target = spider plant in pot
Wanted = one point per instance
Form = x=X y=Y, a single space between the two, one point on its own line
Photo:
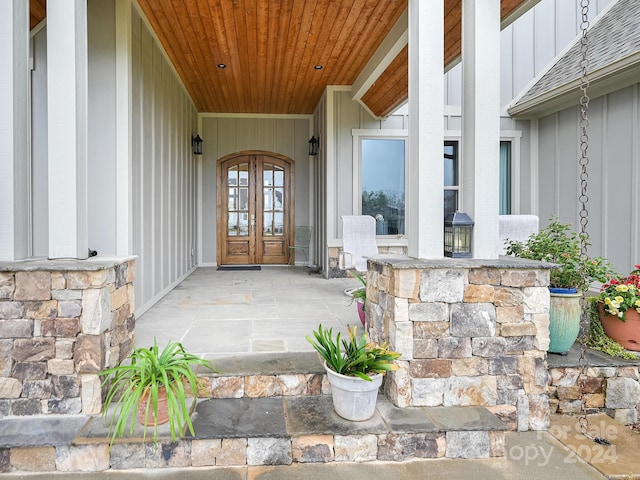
x=354 y=368
x=571 y=276
x=359 y=295
x=152 y=386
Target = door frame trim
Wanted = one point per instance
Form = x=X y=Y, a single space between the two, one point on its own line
x=290 y=217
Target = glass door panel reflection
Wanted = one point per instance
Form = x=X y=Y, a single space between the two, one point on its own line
x=238 y=201
x=273 y=193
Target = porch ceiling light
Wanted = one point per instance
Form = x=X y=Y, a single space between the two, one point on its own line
x=318 y=67
x=196 y=143
x=221 y=65
x=458 y=235
x=314 y=146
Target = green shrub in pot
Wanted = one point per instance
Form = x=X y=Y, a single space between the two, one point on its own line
x=558 y=244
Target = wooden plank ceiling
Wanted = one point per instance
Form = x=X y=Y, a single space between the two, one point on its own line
x=270 y=49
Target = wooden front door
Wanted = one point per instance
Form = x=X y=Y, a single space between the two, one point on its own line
x=255 y=205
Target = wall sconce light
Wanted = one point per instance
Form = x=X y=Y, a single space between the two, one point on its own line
x=314 y=146
x=458 y=235
x=196 y=143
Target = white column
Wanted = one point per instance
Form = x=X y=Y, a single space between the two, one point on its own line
x=124 y=217
x=14 y=132
x=67 y=124
x=481 y=122
x=425 y=199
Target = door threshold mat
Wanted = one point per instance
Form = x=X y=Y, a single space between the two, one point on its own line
x=231 y=268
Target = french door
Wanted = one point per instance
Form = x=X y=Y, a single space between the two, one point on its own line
x=255 y=206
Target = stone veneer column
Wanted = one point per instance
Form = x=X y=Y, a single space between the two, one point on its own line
x=471 y=333
x=61 y=323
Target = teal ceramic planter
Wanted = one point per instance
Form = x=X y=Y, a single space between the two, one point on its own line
x=564 y=321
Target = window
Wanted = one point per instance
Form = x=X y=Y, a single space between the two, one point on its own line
x=383 y=183
x=451 y=175
x=505 y=178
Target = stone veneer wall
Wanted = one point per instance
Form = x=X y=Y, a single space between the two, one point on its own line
x=62 y=322
x=334 y=255
x=471 y=333
x=613 y=389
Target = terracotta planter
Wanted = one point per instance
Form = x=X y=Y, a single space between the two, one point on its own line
x=626 y=333
x=163 y=410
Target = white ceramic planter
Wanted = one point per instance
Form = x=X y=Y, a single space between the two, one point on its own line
x=354 y=398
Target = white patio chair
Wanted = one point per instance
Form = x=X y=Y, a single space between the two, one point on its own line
x=358 y=242
x=516 y=227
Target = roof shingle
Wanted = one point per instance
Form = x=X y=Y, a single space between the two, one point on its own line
x=615 y=35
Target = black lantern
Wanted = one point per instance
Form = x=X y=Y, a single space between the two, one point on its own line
x=196 y=143
x=458 y=235
x=314 y=145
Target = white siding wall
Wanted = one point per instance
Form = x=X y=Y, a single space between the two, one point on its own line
x=614 y=173
x=163 y=176
x=223 y=135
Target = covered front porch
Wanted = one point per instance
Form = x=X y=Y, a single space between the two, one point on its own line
x=268 y=408
x=222 y=313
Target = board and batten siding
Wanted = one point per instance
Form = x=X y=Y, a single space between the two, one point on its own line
x=101 y=112
x=614 y=173
x=163 y=171
x=528 y=45
x=318 y=166
x=349 y=115
x=226 y=134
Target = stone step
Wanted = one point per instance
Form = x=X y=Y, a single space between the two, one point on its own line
x=303 y=429
x=271 y=431
x=262 y=409
x=259 y=375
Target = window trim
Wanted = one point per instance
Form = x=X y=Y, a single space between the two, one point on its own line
x=513 y=136
x=455 y=188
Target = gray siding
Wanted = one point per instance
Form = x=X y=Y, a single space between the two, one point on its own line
x=614 y=173
x=101 y=165
x=319 y=173
x=349 y=115
x=101 y=170
x=226 y=135
x=39 y=149
x=529 y=45
x=163 y=170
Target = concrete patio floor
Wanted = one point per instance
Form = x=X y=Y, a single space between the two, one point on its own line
x=234 y=312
